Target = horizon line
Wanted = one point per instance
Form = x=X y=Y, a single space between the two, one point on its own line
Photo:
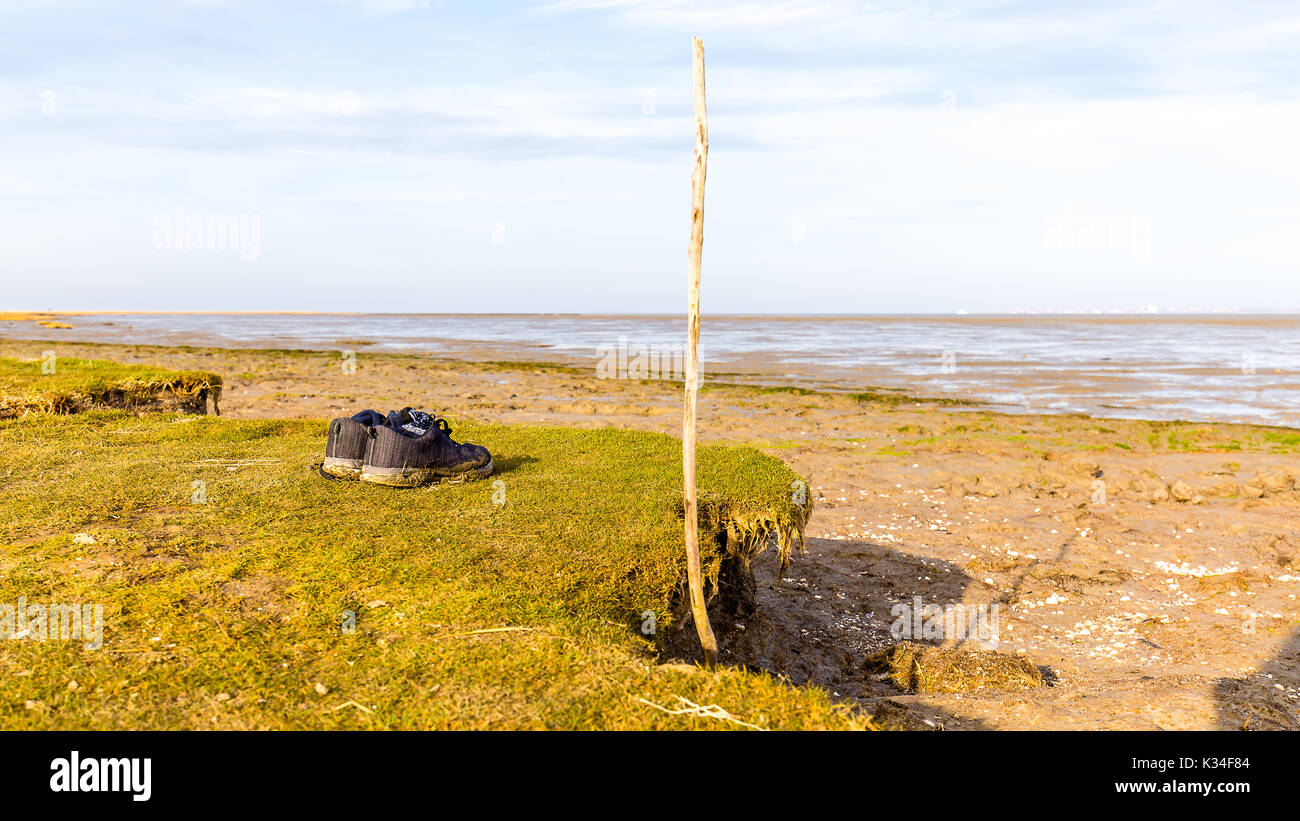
x=1167 y=313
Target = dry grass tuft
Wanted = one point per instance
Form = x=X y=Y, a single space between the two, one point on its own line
x=921 y=668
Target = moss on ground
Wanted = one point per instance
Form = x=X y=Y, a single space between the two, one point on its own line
x=226 y=567
x=62 y=385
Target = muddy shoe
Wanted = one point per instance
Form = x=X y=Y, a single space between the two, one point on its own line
x=345 y=447
x=416 y=448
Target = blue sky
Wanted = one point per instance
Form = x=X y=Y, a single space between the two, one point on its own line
x=395 y=155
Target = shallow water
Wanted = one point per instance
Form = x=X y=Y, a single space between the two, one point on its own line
x=1223 y=367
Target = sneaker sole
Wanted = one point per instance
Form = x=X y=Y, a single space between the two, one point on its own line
x=342 y=468
x=414 y=477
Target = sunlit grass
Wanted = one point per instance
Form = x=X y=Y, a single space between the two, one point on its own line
x=68 y=385
x=226 y=566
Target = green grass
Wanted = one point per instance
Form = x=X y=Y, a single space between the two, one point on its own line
x=1283 y=441
x=224 y=580
x=522 y=365
x=60 y=385
x=881 y=397
x=886 y=396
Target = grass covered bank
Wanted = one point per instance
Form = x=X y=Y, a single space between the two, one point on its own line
x=226 y=569
x=70 y=385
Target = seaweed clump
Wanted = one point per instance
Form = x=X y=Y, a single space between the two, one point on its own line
x=922 y=668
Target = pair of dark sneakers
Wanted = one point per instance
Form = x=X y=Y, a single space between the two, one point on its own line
x=407 y=448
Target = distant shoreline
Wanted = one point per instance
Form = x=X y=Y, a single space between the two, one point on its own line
x=755 y=378
x=1243 y=368
x=1225 y=316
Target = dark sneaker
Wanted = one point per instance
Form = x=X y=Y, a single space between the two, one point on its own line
x=415 y=448
x=345 y=447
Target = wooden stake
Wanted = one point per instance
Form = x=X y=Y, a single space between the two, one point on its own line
x=694 y=575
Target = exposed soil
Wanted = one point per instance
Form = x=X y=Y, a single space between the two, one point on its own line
x=158 y=400
x=1152 y=572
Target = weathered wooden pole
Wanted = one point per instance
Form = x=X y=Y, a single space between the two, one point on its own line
x=693 y=573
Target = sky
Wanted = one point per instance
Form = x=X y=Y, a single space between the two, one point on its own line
x=918 y=156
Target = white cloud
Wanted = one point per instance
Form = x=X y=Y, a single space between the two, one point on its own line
x=920 y=147
x=687 y=13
